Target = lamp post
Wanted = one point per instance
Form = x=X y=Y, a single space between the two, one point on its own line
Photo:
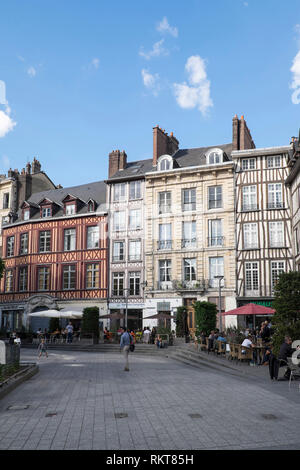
x=220 y=307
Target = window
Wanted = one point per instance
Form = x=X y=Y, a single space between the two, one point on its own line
x=165 y=237
x=26 y=214
x=248 y=164
x=135 y=190
x=70 y=209
x=215 y=232
x=70 y=239
x=165 y=164
x=45 y=239
x=9 y=280
x=189 y=234
x=23 y=243
x=275 y=196
x=46 y=212
x=214 y=197
x=273 y=162
x=277 y=267
x=250 y=236
x=134 y=250
x=23 y=278
x=92 y=276
x=276 y=234
x=134 y=283
x=216 y=268
x=297 y=244
x=10 y=245
x=69 y=277
x=189 y=199
x=118 y=251
x=119 y=192
x=118 y=284
x=43 y=278
x=189 y=269
x=164 y=202
x=251 y=277
x=134 y=219
x=5 y=200
x=214 y=157
x=119 y=221
x=249 y=202
x=93 y=237
x=165 y=270
x=91 y=206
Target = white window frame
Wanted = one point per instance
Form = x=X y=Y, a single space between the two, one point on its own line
x=135 y=276
x=248 y=164
x=189 y=199
x=70 y=239
x=135 y=219
x=164 y=202
x=92 y=237
x=215 y=232
x=70 y=209
x=135 y=190
x=119 y=278
x=251 y=278
x=216 y=268
x=189 y=234
x=249 y=197
x=118 y=250
x=274 y=161
x=275 y=194
x=119 y=192
x=250 y=233
x=189 y=269
x=119 y=221
x=276 y=233
x=165 y=236
x=134 y=254
x=216 y=202
x=277 y=267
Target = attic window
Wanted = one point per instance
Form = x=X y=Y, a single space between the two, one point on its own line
x=165 y=162
x=214 y=157
x=70 y=209
x=26 y=214
x=46 y=212
x=91 y=206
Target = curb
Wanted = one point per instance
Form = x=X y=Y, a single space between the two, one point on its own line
x=17 y=379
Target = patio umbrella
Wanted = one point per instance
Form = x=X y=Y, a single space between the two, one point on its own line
x=160 y=316
x=116 y=316
x=251 y=309
x=52 y=314
x=75 y=315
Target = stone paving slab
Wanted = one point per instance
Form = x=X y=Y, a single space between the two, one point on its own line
x=75 y=398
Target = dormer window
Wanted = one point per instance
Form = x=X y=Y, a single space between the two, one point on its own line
x=165 y=162
x=26 y=214
x=91 y=206
x=70 y=209
x=214 y=156
x=46 y=212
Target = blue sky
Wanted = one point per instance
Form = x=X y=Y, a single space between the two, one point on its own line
x=85 y=77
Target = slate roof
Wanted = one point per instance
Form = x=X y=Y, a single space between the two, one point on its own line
x=95 y=191
x=182 y=158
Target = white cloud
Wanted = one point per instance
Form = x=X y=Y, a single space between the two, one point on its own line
x=295 y=85
x=6 y=123
x=31 y=71
x=151 y=81
x=156 y=51
x=196 y=94
x=95 y=62
x=164 y=27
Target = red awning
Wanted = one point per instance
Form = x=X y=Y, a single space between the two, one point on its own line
x=251 y=309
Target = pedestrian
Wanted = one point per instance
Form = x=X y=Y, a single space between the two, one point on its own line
x=17 y=341
x=126 y=341
x=42 y=348
x=146 y=335
x=69 y=329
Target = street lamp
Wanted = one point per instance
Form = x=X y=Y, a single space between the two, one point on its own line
x=220 y=307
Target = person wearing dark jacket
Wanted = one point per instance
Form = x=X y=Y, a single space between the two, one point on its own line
x=286 y=351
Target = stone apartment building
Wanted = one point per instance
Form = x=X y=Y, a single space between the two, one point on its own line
x=15 y=187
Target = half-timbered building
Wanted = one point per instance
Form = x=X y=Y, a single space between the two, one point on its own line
x=55 y=255
x=263 y=222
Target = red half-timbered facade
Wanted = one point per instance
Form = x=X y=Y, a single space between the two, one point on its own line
x=55 y=258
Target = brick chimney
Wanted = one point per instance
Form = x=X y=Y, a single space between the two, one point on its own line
x=163 y=144
x=117 y=161
x=241 y=136
x=36 y=166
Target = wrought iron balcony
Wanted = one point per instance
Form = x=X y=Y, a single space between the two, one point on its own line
x=118 y=258
x=189 y=243
x=216 y=241
x=164 y=244
x=164 y=285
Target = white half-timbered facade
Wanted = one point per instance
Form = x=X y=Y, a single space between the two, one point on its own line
x=263 y=222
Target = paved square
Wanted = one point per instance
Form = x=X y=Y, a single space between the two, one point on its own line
x=82 y=400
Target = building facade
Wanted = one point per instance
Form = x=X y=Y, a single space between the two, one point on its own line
x=126 y=197
x=263 y=222
x=55 y=255
x=293 y=183
x=15 y=187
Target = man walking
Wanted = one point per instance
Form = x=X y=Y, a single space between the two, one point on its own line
x=126 y=341
x=69 y=329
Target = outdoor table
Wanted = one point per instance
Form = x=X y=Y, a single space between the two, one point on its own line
x=260 y=350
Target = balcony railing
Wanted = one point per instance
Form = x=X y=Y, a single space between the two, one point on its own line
x=189 y=285
x=258 y=291
x=249 y=207
x=216 y=241
x=164 y=244
x=164 y=285
x=118 y=258
x=275 y=205
x=134 y=258
x=189 y=243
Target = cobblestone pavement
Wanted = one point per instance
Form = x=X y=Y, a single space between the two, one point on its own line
x=84 y=400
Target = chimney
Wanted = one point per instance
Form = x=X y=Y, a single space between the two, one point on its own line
x=241 y=136
x=28 y=169
x=117 y=161
x=36 y=166
x=163 y=144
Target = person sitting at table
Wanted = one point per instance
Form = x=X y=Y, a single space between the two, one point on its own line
x=247 y=343
x=211 y=340
x=159 y=343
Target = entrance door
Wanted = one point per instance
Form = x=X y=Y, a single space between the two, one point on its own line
x=188 y=303
x=136 y=323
